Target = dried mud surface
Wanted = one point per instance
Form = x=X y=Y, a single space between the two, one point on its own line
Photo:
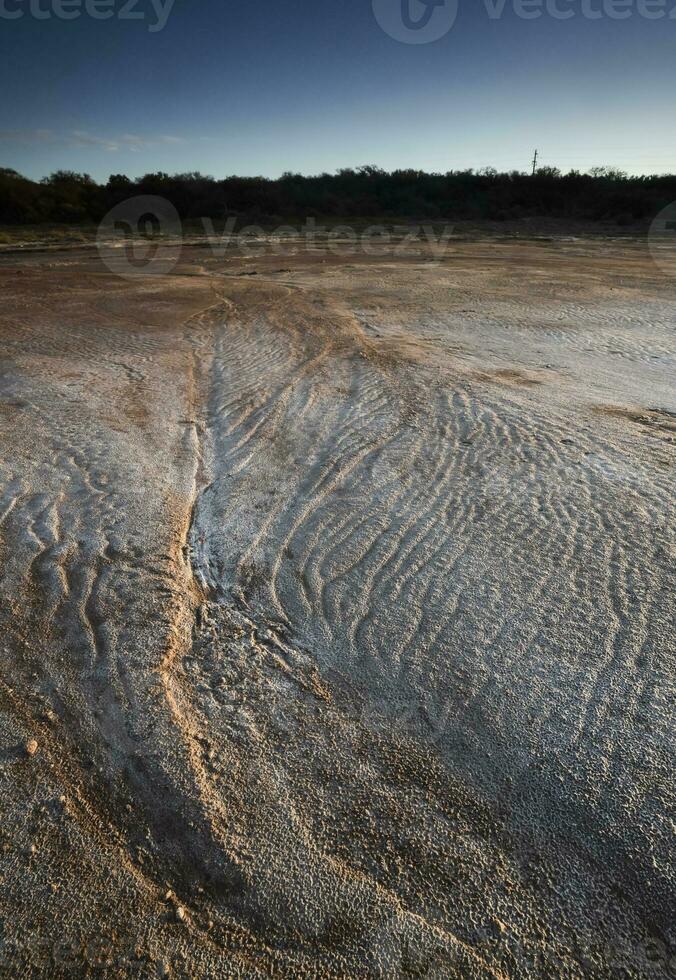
x=335 y=623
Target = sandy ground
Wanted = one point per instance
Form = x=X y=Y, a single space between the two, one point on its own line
x=335 y=614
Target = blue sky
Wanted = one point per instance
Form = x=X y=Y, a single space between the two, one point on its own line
x=264 y=86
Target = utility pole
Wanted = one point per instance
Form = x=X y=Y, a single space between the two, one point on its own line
x=535 y=162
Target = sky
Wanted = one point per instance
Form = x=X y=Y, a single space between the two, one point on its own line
x=267 y=86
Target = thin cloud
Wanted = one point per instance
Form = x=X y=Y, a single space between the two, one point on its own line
x=133 y=142
x=81 y=138
x=27 y=136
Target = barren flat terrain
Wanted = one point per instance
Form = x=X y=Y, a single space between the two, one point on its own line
x=335 y=623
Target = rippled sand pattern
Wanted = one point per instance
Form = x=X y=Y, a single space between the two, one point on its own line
x=337 y=600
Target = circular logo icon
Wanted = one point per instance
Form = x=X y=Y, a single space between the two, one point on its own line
x=140 y=237
x=416 y=21
x=662 y=240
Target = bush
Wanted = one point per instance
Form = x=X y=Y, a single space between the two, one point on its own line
x=368 y=192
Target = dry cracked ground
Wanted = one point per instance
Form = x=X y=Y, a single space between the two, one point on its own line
x=335 y=625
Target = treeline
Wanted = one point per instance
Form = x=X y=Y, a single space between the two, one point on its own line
x=603 y=194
